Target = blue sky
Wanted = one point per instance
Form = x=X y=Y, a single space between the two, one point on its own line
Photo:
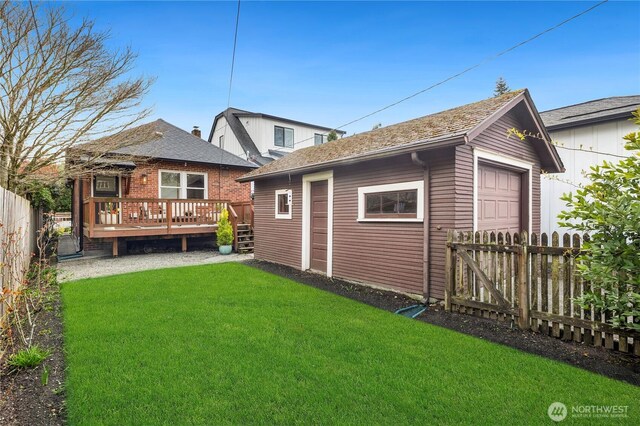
x=330 y=62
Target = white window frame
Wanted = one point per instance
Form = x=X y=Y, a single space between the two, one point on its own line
x=417 y=185
x=508 y=162
x=183 y=179
x=306 y=218
x=289 y=195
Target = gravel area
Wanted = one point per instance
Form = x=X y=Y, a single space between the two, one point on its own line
x=102 y=266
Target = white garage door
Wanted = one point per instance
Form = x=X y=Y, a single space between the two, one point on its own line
x=499 y=198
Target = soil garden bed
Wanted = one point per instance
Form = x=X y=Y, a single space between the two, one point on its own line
x=24 y=399
x=618 y=366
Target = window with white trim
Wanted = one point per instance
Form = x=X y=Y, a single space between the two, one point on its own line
x=283 y=204
x=397 y=202
x=183 y=185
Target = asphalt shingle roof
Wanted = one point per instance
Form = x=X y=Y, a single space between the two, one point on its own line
x=449 y=123
x=163 y=140
x=589 y=112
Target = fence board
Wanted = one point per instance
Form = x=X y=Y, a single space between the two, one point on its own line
x=503 y=275
x=17 y=231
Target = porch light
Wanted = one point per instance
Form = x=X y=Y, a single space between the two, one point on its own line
x=145 y=179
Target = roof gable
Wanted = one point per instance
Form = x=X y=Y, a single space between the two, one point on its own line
x=244 y=139
x=451 y=126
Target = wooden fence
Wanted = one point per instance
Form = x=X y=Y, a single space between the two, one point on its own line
x=506 y=276
x=18 y=225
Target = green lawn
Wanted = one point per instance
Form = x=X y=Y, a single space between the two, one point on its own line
x=231 y=344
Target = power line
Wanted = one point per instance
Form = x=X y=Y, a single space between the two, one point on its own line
x=466 y=70
x=233 y=54
x=233 y=63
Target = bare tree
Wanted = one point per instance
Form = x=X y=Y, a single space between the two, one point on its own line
x=60 y=86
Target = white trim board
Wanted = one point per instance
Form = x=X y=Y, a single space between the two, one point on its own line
x=402 y=186
x=287 y=192
x=509 y=162
x=306 y=218
x=183 y=178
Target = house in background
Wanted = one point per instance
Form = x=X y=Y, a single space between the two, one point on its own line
x=587 y=134
x=375 y=207
x=262 y=138
x=158 y=182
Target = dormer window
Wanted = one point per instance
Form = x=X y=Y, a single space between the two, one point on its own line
x=283 y=136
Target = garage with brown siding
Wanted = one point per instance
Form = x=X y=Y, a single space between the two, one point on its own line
x=375 y=207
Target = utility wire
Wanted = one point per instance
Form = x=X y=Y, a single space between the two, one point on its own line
x=466 y=70
x=233 y=63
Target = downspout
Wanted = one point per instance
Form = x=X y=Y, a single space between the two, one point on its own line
x=415 y=159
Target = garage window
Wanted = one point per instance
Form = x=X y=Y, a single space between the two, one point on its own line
x=283 y=204
x=393 y=202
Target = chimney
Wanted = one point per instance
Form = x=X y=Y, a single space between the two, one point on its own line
x=196 y=132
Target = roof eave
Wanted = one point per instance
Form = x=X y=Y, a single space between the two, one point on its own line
x=587 y=121
x=450 y=140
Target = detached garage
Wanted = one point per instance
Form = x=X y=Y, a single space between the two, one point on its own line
x=375 y=207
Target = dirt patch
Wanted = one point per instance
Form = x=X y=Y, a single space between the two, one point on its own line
x=598 y=360
x=24 y=400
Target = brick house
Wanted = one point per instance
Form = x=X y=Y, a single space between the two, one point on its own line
x=151 y=182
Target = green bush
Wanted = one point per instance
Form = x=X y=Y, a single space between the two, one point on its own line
x=224 y=234
x=29 y=358
x=608 y=209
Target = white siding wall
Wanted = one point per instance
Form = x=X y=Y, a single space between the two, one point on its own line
x=262 y=133
x=231 y=143
x=604 y=137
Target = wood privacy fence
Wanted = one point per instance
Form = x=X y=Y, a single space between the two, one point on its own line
x=507 y=276
x=18 y=225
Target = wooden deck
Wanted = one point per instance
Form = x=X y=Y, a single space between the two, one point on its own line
x=115 y=218
x=138 y=217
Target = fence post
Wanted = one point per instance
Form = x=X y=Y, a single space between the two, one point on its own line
x=449 y=264
x=523 y=283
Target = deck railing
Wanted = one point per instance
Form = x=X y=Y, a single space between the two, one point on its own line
x=240 y=213
x=103 y=213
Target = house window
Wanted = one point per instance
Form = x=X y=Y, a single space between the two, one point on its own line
x=319 y=139
x=183 y=185
x=283 y=136
x=283 y=204
x=399 y=202
x=195 y=186
x=105 y=186
x=221 y=141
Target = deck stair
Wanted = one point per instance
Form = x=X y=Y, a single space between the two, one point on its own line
x=245 y=238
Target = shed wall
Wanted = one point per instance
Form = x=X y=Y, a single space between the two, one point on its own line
x=383 y=253
x=442 y=214
x=278 y=240
x=495 y=139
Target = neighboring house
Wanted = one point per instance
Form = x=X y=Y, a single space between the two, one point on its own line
x=375 y=207
x=160 y=182
x=586 y=134
x=262 y=138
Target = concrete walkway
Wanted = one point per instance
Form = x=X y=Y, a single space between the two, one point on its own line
x=99 y=267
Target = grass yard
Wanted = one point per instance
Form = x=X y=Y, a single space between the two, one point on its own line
x=228 y=343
